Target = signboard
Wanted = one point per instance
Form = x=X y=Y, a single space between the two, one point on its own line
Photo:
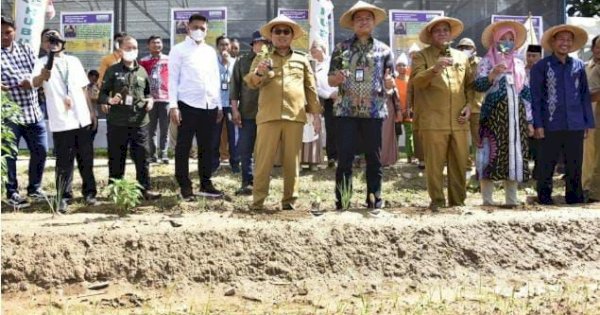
x=217 y=23
x=299 y=16
x=405 y=26
x=88 y=34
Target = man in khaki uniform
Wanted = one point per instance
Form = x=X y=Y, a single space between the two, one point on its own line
x=591 y=154
x=440 y=78
x=287 y=91
x=467 y=46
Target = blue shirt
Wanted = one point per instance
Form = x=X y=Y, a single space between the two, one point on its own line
x=560 y=95
x=225 y=73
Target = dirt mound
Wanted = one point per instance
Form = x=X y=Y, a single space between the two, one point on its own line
x=222 y=248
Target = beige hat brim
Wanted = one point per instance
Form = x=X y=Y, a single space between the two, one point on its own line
x=487 y=37
x=265 y=31
x=378 y=13
x=579 y=40
x=456 y=28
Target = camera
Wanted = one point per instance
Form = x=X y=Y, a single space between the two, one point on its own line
x=55 y=39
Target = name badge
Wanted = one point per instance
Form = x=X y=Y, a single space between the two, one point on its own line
x=359 y=75
x=129 y=100
x=224 y=86
x=510 y=79
x=155 y=75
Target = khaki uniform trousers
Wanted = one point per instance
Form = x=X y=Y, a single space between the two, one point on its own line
x=593 y=182
x=270 y=135
x=443 y=147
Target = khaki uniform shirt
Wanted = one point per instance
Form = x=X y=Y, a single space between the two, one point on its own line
x=441 y=97
x=476 y=99
x=285 y=96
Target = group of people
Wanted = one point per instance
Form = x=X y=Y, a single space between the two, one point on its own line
x=266 y=99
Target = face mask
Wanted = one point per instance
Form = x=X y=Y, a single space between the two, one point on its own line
x=130 y=55
x=505 y=46
x=469 y=52
x=198 y=35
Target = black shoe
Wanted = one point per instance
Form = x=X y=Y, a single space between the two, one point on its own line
x=62 y=206
x=37 y=196
x=288 y=207
x=188 y=196
x=153 y=159
x=208 y=190
x=151 y=195
x=245 y=190
x=331 y=163
x=17 y=201
x=235 y=169
x=91 y=200
x=165 y=161
x=545 y=201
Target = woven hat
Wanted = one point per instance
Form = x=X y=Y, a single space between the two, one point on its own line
x=456 y=28
x=579 y=39
x=466 y=42
x=265 y=31
x=346 y=18
x=487 y=37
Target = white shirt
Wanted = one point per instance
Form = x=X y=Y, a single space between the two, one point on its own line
x=194 y=76
x=67 y=69
x=323 y=88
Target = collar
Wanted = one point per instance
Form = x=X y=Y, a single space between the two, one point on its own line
x=135 y=66
x=160 y=55
x=555 y=59
x=190 y=41
x=355 y=40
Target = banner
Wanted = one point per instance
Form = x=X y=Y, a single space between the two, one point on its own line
x=299 y=16
x=321 y=23
x=405 y=26
x=29 y=22
x=88 y=35
x=217 y=23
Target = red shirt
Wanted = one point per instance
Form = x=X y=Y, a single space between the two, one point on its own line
x=158 y=75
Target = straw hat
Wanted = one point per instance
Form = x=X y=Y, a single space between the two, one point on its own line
x=488 y=33
x=467 y=42
x=378 y=13
x=579 y=39
x=456 y=28
x=265 y=31
x=403 y=59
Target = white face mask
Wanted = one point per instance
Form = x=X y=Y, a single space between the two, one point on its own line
x=198 y=35
x=130 y=55
x=469 y=52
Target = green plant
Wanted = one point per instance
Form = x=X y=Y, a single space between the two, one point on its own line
x=345 y=189
x=265 y=54
x=11 y=112
x=125 y=193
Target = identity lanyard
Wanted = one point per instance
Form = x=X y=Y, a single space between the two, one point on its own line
x=64 y=76
x=225 y=79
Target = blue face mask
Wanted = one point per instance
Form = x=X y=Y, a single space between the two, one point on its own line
x=505 y=46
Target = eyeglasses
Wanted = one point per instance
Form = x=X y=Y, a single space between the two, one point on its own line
x=284 y=31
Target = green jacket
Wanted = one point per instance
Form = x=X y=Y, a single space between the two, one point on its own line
x=247 y=98
x=126 y=81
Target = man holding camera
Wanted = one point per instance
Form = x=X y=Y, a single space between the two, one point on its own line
x=70 y=116
x=126 y=91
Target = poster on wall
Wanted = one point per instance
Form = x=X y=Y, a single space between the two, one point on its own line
x=405 y=26
x=299 y=16
x=88 y=35
x=217 y=23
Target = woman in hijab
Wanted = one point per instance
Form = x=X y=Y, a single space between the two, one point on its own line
x=506 y=119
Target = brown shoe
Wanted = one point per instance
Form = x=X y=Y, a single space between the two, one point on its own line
x=151 y=195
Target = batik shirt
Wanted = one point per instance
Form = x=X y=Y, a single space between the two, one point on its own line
x=17 y=65
x=365 y=97
x=560 y=94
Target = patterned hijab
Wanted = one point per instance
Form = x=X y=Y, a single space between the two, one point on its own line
x=495 y=57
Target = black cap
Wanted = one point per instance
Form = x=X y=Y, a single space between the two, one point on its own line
x=8 y=21
x=534 y=49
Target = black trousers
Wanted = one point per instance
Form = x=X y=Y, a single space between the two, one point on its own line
x=555 y=145
x=70 y=145
x=347 y=132
x=330 y=146
x=121 y=138
x=200 y=123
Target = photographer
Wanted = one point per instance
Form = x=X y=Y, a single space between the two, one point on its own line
x=70 y=115
x=125 y=95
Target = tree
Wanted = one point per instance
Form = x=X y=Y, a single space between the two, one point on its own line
x=583 y=8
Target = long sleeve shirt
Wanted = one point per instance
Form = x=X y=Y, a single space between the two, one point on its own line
x=225 y=73
x=194 y=75
x=290 y=93
x=17 y=64
x=157 y=68
x=247 y=98
x=321 y=73
x=560 y=95
x=440 y=97
x=105 y=63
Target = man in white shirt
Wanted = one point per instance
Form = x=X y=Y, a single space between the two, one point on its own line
x=195 y=105
x=70 y=117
